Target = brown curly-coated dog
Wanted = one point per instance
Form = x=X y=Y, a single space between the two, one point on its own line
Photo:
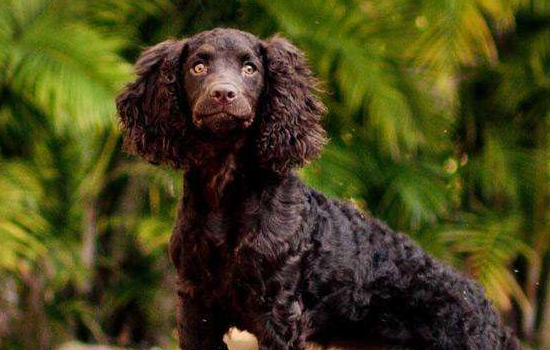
x=257 y=249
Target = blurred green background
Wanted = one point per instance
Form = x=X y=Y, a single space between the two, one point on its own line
x=439 y=123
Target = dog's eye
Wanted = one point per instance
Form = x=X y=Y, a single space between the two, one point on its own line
x=199 y=69
x=249 y=68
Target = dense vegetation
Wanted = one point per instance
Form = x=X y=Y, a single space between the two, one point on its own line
x=439 y=125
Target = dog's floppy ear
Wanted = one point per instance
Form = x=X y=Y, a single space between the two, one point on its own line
x=151 y=109
x=290 y=133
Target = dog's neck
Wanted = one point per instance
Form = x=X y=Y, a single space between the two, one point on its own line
x=215 y=170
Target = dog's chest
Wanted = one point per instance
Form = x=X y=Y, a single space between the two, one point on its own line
x=231 y=275
x=232 y=256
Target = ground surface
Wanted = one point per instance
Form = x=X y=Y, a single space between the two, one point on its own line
x=235 y=340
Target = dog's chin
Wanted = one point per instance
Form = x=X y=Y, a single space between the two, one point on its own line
x=221 y=123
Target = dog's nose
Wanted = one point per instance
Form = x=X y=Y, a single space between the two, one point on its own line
x=223 y=92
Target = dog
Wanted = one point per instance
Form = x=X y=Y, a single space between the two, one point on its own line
x=257 y=249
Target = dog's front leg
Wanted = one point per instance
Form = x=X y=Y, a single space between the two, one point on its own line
x=284 y=328
x=274 y=338
x=200 y=327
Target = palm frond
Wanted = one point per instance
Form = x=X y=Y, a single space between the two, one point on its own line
x=490 y=246
x=364 y=73
x=64 y=67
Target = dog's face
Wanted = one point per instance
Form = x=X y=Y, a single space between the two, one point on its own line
x=217 y=86
x=223 y=77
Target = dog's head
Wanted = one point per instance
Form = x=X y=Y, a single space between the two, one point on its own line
x=218 y=86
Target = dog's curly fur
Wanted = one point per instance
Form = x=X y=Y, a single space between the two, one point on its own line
x=257 y=249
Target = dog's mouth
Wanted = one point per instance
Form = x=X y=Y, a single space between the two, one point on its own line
x=218 y=117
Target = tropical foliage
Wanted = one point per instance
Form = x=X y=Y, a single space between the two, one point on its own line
x=439 y=123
